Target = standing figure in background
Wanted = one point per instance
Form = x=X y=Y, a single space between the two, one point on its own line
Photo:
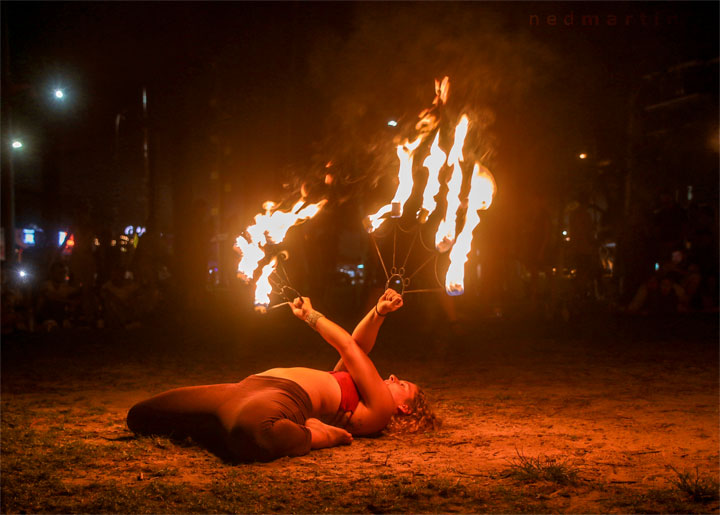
x=57 y=299
x=583 y=248
x=670 y=227
x=536 y=248
x=83 y=266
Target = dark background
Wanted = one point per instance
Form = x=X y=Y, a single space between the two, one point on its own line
x=248 y=100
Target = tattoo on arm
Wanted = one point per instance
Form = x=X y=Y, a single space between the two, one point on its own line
x=312 y=318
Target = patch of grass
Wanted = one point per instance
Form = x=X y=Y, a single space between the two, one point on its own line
x=516 y=500
x=662 y=500
x=542 y=468
x=697 y=488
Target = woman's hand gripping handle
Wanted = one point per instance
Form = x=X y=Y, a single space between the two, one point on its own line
x=302 y=308
x=389 y=301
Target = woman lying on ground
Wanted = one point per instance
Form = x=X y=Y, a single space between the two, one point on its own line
x=289 y=411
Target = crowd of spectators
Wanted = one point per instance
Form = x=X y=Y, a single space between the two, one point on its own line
x=91 y=280
x=573 y=259
x=657 y=262
x=685 y=248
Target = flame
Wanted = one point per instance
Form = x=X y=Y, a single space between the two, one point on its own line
x=482 y=190
x=250 y=256
x=445 y=236
x=434 y=163
x=441 y=90
x=374 y=221
x=405 y=184
x=263 y=288
x=480 y=197
x=270 y=227
x=429 y=118
x=404 y=188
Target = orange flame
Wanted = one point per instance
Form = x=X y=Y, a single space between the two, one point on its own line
x=404 y=188
x=269 y=227
x=263 y=288
x=434 y=163
x=480 y=196
x=445 y=236
x=482 y=190
x=250 y=256
x=441 y=90
x=429 y=118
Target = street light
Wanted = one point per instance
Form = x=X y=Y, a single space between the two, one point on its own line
x=59 y=94
x=17 y=144
x=582 y=156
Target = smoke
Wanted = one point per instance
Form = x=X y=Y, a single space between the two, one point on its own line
x=384 y=69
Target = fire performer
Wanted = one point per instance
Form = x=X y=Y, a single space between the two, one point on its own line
x=289 y=411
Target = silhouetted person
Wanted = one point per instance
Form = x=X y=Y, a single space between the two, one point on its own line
x=660 y=295
x=56 y=298
x=536 y=245
x=82 y=264
x=119 y=299
x=583 y=246
x=669 y=224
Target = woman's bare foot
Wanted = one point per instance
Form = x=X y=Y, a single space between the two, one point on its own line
x=324 y=435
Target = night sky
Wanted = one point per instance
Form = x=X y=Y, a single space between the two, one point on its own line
x=247 y=97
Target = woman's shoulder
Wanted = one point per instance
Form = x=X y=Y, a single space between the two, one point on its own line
x=365 y=421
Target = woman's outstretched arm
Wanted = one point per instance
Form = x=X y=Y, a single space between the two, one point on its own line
x=366 y=331
x=372 y=389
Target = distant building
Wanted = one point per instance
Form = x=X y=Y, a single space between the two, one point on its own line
x=674 y=134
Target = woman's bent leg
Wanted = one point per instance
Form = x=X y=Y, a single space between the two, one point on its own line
x=185 y=412
x=225 y=420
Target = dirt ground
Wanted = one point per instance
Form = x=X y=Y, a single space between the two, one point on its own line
x=616 y=415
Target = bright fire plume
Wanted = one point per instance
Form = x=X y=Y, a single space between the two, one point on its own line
x=270 y=227
x=480 y=196
x=263 y=288
x=404 y=188
x=445 y=236
x=482 y=189
x=434 y=163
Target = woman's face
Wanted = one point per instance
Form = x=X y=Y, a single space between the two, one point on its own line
x=402 y=391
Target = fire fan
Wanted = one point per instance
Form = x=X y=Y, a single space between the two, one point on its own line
x=455 y=206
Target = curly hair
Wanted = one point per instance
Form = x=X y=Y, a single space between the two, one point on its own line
x=420 y=418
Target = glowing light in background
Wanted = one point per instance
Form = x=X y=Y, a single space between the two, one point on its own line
x=582 y=155
x=29 y=236
x=392 y=123
x=17 y=144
